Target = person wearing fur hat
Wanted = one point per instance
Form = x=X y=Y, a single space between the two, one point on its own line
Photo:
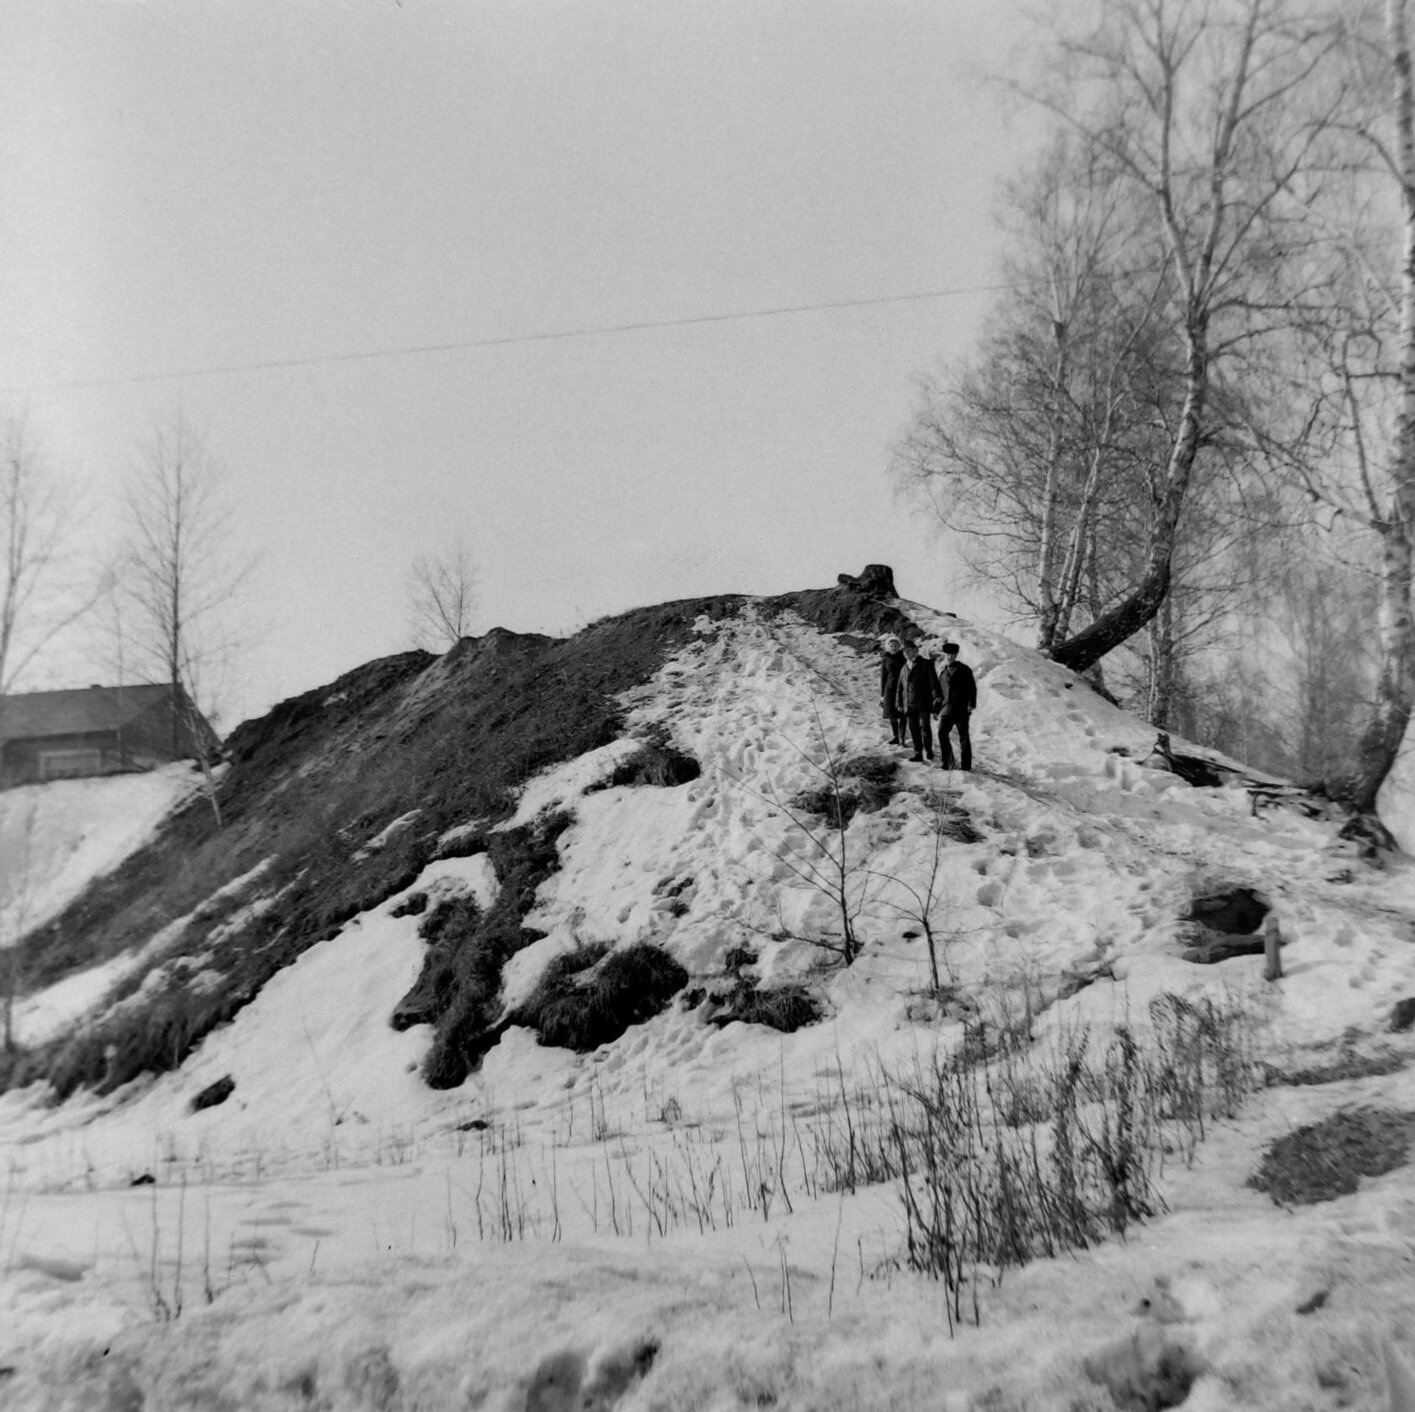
x=958 y=691
x=917 y=699
x=891 y=660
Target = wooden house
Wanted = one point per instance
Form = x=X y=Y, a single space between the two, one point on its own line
x=100 y=730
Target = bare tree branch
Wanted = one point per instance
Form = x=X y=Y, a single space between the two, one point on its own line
x=442 y=596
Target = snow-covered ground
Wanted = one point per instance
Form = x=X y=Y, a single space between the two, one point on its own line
x=57 y=838
x=571 y=1231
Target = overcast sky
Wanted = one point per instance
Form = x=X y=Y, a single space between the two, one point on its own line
x=194 y=186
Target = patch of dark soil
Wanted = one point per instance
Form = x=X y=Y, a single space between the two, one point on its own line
x=1237 y=911
x=1348 y=1065
x=281 y=738
x=1402 y=1015
x=863 y=783
x=842 y=610
x=950 y=818
x=1325 y=1160
x=591 y=996
x=214 y=1094
x=658 y=763
x=1222 y=925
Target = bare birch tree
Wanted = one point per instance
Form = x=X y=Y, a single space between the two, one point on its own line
x=1047 y=453
x=38 y=597
x=442 y=596
x=180 y=578
x=1202 y=111
x=1029 y=449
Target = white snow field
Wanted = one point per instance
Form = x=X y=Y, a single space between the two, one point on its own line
x=647 y=1226
x=57 y=838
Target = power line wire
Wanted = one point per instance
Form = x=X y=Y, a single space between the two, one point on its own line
x=411 y=349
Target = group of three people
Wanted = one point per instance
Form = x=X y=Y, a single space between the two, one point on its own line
x=913 y=691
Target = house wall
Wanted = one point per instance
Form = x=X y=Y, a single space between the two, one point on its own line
x=151 y=730
x=70 y=756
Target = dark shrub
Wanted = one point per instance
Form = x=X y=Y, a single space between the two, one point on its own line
x=589 y=997
x=861 y=782
x=738 y=957
x=462 y=845
x=559 y=996
x=786 y=1008
x=447 y=928
x=950 y=818
x=873 y=769
x=837 y=806
x=452 y=919
x=469 y=960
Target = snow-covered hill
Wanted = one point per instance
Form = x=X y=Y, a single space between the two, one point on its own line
x=55 y=840
x=650 y=1224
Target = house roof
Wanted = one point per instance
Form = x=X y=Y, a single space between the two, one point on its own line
x=39 y=714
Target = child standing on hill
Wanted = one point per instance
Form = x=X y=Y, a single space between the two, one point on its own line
x=891 y=660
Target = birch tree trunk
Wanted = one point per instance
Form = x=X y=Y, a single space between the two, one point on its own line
x=1160 y=710
x=1051 y=609
x=1383 y=736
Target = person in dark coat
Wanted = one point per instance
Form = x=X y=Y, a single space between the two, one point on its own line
x=959 y=693
x=891 y=660
x=918 y=697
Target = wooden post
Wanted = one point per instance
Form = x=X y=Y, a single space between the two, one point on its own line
x=1272 y=949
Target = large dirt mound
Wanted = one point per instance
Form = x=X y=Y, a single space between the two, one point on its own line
x=339 y=797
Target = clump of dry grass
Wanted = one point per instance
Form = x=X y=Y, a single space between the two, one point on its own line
x=592 y=995
x=786 y=1008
